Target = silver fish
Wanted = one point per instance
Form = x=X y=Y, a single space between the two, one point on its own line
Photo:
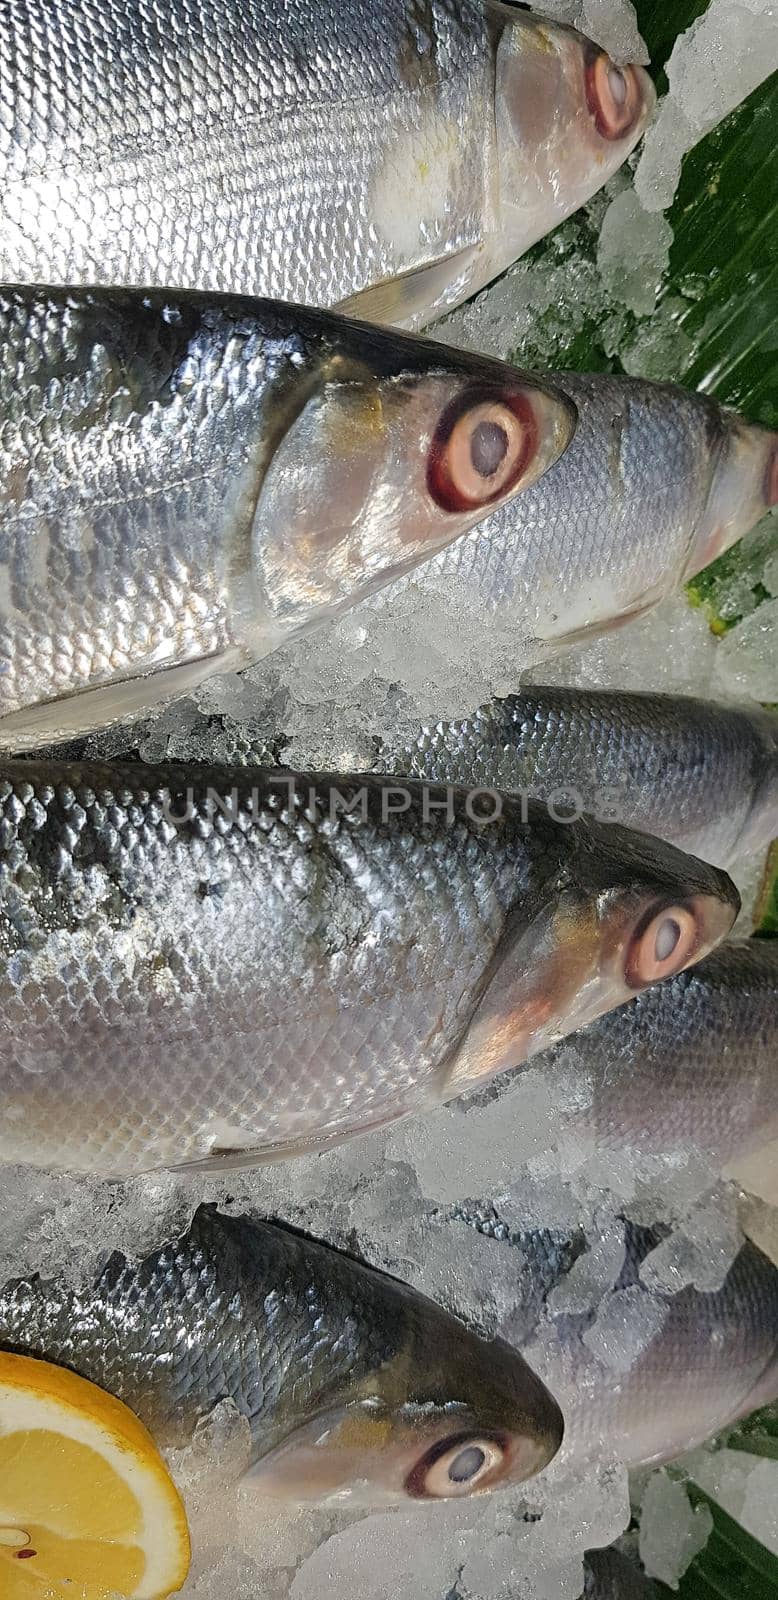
x=688 y=1063
x=201 y=966
x=351 y=1383
x=701 y=775
x=657 y=481
x=188 y=480
x=403 y=153
x=713 y=1359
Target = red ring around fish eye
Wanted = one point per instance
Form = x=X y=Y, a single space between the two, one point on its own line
x=662 y=945
x=613 y=95
x=463 y=1463
x=482 y=447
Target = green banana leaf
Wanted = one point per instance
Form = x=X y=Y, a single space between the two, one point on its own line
x=732 y=1566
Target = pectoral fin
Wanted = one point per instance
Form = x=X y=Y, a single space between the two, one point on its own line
x=412 y=298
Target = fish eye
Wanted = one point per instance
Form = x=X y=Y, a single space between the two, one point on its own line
x=459 y=1465
x=662 y=945
x=613 y=95
x=481 y=450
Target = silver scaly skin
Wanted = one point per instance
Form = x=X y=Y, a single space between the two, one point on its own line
x=230 y=965
x=350 y=1382
x=306 y=152
x=188 y=480
x=690 y=1062
x=714 y=1358
x=701 y=775
x=657 y=481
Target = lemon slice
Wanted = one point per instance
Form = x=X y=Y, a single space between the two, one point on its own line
x=87 y=1506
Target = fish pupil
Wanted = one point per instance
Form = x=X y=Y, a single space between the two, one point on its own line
x=488 y=448
x=465 y=1465
x=617 y=85
x=667 y=939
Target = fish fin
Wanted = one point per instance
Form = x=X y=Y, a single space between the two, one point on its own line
x=228 y=1158
x=88 y=709
x=413 y=297
x=592 y=630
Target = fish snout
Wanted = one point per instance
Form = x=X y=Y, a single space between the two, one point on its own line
x=567 y=116
x=743 y=490
x=589 y=950
x=449 y=1416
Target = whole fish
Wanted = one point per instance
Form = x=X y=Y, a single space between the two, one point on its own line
x=352 y=1384
x=201 y=965
x=693 y=1062
x=188 y=480
x=701 y=775
x=657 y=482
x=402 y=153
x=712 y=1359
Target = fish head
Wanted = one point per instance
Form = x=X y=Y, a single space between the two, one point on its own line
x=625 y=911
x=392 y=449
x=743 y=489
x=445 y=1415
x=566 y=116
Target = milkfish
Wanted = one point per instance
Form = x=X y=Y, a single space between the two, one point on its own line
x=209 y=966
x=701 y=775
x=352 y=1384
x=394 y=156
x=705 y=1358
x=690 y=1063
x=186 y=481
x=657 y=482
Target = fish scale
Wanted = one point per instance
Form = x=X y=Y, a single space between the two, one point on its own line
x=702 y=775
x=318 y=154
x=233 y=107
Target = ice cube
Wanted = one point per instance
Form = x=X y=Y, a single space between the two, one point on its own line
x=626 y=1323
x=671 y=1531
x=596 y=1271
x=701 y=1250
x=611 y=23
x=747 y=658
x=633 y=252
x=745 y=1485
x=465 y=1150
x=714 y=65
